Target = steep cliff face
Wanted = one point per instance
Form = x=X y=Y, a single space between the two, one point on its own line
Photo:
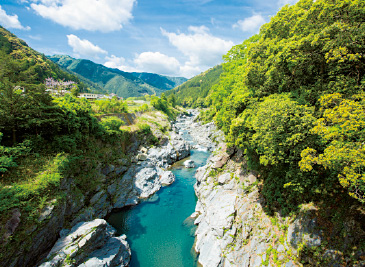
x=234 y=229
x=111 y=186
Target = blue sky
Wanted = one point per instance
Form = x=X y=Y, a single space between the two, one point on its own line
x=169 y=37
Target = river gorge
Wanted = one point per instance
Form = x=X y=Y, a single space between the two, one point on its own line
x=159 y=230
x=190 y=202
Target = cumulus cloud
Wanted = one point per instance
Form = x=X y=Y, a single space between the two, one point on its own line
x=114 y=62
x=189 y=71
x=119 y=63
x=154 y=62
x=157 y=63
x=251 y=24
x=92 y=15
x=84 y=47
x=202 y=48
x=11 y=21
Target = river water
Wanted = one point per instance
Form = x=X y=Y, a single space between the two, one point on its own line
x=158 y=230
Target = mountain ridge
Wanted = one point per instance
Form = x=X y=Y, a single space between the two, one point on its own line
x=124 y=84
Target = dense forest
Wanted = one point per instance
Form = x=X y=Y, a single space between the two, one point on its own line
x=193 y=92
x=292 y=98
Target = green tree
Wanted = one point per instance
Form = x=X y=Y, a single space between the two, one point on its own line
x=8 y=155
x=112 y=123
x=342 y=130
x=172 y=100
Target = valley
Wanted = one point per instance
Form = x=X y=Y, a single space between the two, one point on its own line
x=255 y=160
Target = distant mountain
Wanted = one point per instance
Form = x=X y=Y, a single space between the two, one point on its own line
x=193 y=92
x=33 y=67
x=122 y=83
x=160 y=81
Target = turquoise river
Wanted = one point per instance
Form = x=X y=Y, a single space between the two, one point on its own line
x=158 y=230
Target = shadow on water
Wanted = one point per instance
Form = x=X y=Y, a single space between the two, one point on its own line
x=122 y=220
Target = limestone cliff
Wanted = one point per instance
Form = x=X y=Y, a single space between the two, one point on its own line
x=234 y=229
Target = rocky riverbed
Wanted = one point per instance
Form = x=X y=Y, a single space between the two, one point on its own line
x=232 y=226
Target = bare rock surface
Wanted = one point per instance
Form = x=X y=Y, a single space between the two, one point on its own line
x=90 y=244
x=232 y=227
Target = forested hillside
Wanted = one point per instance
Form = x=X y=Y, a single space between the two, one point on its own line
x=30 y=66
x=43 y=142
x=292 y=97
x=122 y=83
x=193 y=92
x=160 y=81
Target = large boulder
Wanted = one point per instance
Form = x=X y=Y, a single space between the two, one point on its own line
x=89 y=244
x=167 y=178
x=189 y=164
x=147 y=182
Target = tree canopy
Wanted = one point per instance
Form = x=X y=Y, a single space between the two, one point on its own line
x=292 y=98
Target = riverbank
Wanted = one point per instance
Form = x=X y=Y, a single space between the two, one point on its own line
x=110 y=183
x=234 y=229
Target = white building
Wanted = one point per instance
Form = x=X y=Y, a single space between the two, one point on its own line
x=90 y=96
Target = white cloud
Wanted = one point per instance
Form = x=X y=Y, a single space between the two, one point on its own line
x=157 y=63
x=119 y=63
x=251 y=24
x=115 y=62
x=11 y=21
x=84 y=47
x=189 y=71
x=201 y=48
x=92 y=15
x=153 y=62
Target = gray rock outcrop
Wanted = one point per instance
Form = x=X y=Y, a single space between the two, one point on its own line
x=189 y=164
x=90 y=244
x=232 y=227
x=122 y=183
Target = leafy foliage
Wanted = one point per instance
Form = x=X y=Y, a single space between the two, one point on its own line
x=162 y=104
x=8 y=155
x=20 y=195
x=111 y=123
x=293 y=93
x=110 y=106
x=342 y=130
